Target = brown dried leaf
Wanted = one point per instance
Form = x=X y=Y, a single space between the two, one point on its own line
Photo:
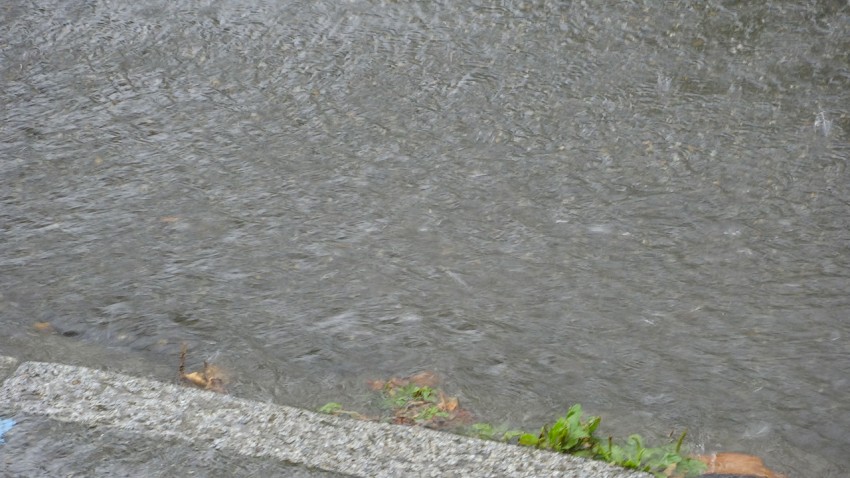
x=424 y=379
x=45 y=327
x=403 y=421
x=458 y=418
x=396 y=382
x=737 y=464
x=448 y=404
x=196 y=378
x=211 y=378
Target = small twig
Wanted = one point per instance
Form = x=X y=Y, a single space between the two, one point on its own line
x=181 y=368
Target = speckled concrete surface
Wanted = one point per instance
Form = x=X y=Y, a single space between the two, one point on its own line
x=157 y=410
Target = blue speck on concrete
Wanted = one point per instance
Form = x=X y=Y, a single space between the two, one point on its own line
x=6 y=424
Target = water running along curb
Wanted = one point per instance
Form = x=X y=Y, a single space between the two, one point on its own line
x=160 y=410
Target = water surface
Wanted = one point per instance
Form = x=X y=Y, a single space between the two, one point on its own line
x=640 y=207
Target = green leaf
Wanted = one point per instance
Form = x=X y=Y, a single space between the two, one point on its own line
x=593 y=423
x=527 y=439
x=331 y=408
x=483 y=430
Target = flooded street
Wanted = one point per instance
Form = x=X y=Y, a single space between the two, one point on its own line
x=643 y=207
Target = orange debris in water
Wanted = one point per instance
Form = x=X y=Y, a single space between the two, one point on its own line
x=447 y=404
x=439 y=411
x=421 y=379
x=737 y=464
x=210 y=378
x=43 y=327
x=425 y=379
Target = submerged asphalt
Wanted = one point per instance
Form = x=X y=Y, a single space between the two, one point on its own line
x=153 y=410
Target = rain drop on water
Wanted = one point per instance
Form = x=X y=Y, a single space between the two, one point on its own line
x=822 y=124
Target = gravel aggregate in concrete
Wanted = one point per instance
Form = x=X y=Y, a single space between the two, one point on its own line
x=159 y=410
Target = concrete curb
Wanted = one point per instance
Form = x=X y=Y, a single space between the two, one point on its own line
x=159 y=410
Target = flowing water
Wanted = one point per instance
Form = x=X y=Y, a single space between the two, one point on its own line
x=643 y=207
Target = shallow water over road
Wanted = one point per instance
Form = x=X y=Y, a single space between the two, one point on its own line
x=641 y=208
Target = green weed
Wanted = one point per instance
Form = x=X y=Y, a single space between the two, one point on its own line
x=417 y=404
x=570 y=434
x=397 y=397
x=489 y=432
x=574 y=434
x=331 y=408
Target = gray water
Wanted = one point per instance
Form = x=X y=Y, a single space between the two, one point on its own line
x=642 y=207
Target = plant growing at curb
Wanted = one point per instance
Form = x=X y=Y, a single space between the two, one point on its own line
x=333 y=408
x=661 y=461
x=415 y=401
x=412 y=401
x=486 y=431
x=575 y=435
x=570 y=434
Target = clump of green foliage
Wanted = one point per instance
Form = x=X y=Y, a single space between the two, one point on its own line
x=416 y=404
x=570 y=434
x=489 y=432
x=575 y=435
x=401 y=396
x=412 y=403
x=334 y=408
